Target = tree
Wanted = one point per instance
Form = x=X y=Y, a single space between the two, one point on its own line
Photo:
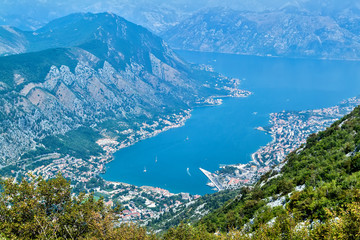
x=37 y=208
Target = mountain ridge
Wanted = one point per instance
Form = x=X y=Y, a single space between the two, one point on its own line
x=116 y=77
x=288 y=32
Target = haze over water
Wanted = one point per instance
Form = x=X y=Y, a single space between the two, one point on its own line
x=225 y=134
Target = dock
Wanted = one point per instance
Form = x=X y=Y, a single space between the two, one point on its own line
x=213 y=178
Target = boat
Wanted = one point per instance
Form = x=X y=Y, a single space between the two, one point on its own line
x=144 y=169
x=156 y=159
x=188 y=171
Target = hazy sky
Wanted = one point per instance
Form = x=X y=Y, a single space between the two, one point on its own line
x=156 y=14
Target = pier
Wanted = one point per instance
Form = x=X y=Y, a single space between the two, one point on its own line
x=213 y=178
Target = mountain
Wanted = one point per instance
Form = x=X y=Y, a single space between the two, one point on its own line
x=289 y=32
x=85 y=85
x=73 y=30
x=12 y=41
x=155 y=15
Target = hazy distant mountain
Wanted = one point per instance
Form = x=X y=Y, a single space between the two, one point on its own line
x=96 y=72
x=287 y=32
x=12 y=41
x=156 y=15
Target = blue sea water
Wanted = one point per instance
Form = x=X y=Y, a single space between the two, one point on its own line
x=225 y=134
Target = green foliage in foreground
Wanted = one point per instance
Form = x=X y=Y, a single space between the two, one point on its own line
x=342 y=225
x=40 y=209
x=45 y=209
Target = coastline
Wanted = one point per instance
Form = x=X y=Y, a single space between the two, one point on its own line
x=86 y=174
x=129 y=141
x=83 y=170
x=289 y=130
x=132 y=196
x=180 y=122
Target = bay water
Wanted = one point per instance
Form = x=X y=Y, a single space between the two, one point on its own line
x=225 y=134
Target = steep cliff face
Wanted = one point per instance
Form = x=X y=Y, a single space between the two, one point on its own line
x=93 y=71
x=289 y=32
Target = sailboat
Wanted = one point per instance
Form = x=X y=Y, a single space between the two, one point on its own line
x=156 y=159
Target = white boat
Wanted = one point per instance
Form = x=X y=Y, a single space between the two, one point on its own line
x=144 y=169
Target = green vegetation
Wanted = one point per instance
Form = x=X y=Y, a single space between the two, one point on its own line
x=328 y=169
x=317 y=193
x=227 y=170
x=313 y=194
x=45 y=209
x=34 y=66
x=342 y=225
x=80 y=143
x=325 y=204
x=208 y=203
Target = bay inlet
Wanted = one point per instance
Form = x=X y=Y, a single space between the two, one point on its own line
x=226 y=134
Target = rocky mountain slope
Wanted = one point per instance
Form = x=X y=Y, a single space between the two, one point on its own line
x=289 y=32
x=12 y=41
x=87 y=77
